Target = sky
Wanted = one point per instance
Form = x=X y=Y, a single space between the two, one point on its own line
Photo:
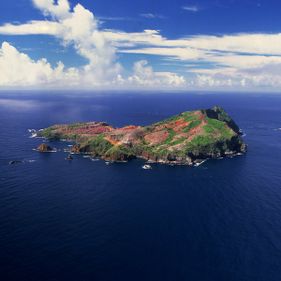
x=222 y=45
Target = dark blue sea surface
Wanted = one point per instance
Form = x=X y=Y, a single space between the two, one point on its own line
x=84 y=220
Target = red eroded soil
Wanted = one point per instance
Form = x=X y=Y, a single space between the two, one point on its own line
x=157 y=137
x=197 y=130
x=122 y=135
x=88 y=129
x=178 y=125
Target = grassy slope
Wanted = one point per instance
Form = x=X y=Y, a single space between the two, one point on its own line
x=212 y=133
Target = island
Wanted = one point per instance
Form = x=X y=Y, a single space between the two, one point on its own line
x=184 y=139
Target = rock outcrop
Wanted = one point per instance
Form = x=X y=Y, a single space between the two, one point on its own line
x=44 y=148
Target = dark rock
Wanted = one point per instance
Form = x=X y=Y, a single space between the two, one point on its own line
x=13 y=162
x=75 y=148
x=69 y=157
x=219 y=113
x=44 y=148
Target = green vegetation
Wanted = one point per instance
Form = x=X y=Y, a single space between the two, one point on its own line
x=75 y=126
x=192 y=125
x=189 y=116
x=178 y=141
x=99 y=145
x=50 y=133
x=172 y=133
x=216 y=127
x=119 y=152
x=203 y=145
x=219 y=114
x=201 y=141
x=161 y=153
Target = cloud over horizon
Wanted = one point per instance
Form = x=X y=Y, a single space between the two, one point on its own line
x=238 y=61
x=77 y=27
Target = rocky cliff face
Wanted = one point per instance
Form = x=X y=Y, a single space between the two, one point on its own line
x=181 y=139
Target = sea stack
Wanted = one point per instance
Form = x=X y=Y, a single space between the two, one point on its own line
x=43 y=147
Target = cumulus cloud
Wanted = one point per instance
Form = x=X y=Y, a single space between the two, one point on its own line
x=49 y=7
x=264 y=77
x=17 y=69
x=77 y=27
x=144 y=75
x=80 y=28
x=244 y=60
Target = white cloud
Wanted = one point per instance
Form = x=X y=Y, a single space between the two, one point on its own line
x=144 y=75
x=191 y=8
x=234 y=58
x=78 y=27
x=179 y=53
x=258 y=44
x=247 y=60
x=102 y=18
x=49 y=7
x=264 y=77
x=31 y=28
x=261 y=44
x=152 y=16
x=17 y=69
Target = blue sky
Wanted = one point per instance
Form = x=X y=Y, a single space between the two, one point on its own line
x=205 y=45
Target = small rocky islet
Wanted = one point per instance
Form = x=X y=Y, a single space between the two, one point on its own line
x=43 y=147
x=184 y=139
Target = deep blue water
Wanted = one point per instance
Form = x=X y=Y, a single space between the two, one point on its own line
x=87 y=221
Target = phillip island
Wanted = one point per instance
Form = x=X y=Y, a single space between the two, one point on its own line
x=183 y=139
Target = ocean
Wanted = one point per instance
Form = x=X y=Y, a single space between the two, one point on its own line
x=82 y=220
